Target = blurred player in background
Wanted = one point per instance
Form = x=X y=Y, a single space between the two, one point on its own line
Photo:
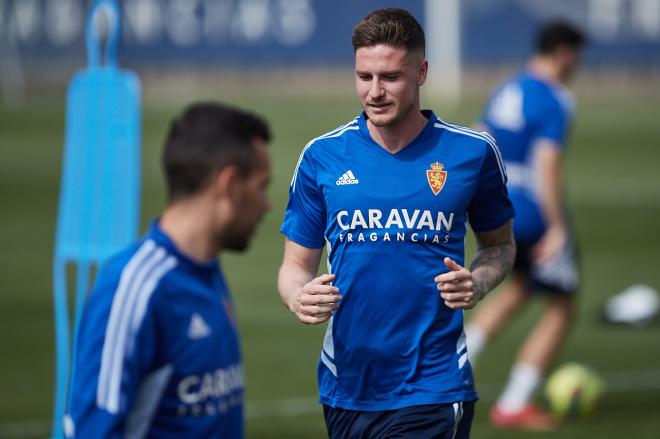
x=390 y=192
x=158 y=352
x=529 y=116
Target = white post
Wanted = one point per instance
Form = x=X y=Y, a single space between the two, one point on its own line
x=12 y=81
x=443 y=49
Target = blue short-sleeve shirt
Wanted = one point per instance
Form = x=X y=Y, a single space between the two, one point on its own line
x=388 y=220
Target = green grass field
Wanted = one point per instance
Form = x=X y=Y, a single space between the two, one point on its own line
x=614 y=187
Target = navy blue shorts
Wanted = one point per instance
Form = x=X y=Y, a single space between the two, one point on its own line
x=561 y=275
x=441 y=421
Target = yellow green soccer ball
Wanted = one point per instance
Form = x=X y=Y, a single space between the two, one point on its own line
x=573 y=390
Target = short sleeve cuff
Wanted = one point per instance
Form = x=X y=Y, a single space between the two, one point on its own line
x=556 y=142
x=302 y=240
x=493 y=222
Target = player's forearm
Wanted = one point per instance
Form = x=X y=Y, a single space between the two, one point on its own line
x=493 y=260
x=550 y=186
x=490 y=267
x=553 y=203
x=299 y=267
x=290 y=280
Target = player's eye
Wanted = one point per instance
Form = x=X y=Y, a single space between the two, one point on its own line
x=364 y=77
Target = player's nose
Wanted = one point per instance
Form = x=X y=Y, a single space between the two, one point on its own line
x=376 y=89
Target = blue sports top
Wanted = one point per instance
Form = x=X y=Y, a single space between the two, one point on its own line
x=522 y=111
x=158 y=352
x=388 y=221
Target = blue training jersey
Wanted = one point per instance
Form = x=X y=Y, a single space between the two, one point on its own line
x=522 y=111
x=388 y=221
x=158 y=353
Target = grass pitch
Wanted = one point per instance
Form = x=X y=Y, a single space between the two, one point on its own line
x=614 y=192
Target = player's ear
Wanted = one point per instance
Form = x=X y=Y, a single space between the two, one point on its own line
x=563 y=53
x=422 y=72
x=226 y=182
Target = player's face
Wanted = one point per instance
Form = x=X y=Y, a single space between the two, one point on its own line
x=251 y=201
x=569 y=59
x=387 y=80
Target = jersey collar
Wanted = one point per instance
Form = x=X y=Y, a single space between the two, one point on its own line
x=161 y=238
x=421 y=138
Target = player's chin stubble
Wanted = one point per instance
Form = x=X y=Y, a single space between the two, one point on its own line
x=383 y=120
x=391 y=118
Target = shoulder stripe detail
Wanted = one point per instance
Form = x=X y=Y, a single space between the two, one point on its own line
x=477 y=135
x=143 y=299
x=117 y=310
x=141 y=295
x=470 y=130
x=487 y=136
x=352 y=125
x=118 y=339
x=137 y=282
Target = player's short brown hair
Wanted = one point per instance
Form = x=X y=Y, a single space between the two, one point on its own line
x=556 y=33
x=389 y=26
x=204 y=139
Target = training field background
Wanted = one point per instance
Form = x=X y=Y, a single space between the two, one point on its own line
x=614 y=185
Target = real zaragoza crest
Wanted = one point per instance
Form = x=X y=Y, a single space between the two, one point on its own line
x=436 y=177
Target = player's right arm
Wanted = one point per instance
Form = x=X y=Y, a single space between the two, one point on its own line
x=312 y=299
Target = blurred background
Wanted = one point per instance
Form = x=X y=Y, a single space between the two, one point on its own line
x=291 y=61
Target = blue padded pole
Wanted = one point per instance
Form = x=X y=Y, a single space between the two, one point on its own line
x=111 y=9
x=62 y=338
x=99 y=199
x=82 y=288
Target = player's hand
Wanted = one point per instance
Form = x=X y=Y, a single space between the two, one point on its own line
x=550 y=244
x=457 y=287
x=315 y=302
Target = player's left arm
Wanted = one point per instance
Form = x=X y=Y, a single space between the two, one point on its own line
x=548 y=168
x=551 y=137
x=462 y=288
x=496 y=250
x=490 y=213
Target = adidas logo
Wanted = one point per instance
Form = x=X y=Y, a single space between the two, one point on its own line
x=347 y=178
x=198 y=327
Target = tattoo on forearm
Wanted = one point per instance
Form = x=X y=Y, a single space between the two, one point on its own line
x=490 y=267
x=493 y=260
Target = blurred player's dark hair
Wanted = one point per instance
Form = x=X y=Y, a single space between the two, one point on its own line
x=557 y=33
x=390 y=26
x=204 y=139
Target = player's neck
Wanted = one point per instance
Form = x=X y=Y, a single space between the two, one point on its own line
x=191 y=229
x=395 y=137
x=544 y=67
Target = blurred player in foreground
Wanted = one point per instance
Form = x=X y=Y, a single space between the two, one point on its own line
x=158 y=352
x=529 y=116
x=390 y=193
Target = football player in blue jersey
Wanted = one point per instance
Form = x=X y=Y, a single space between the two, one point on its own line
x=390 y=195
x=529 y=115
x=158 y=352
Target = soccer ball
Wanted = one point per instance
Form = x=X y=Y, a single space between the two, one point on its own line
x=573 y=390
